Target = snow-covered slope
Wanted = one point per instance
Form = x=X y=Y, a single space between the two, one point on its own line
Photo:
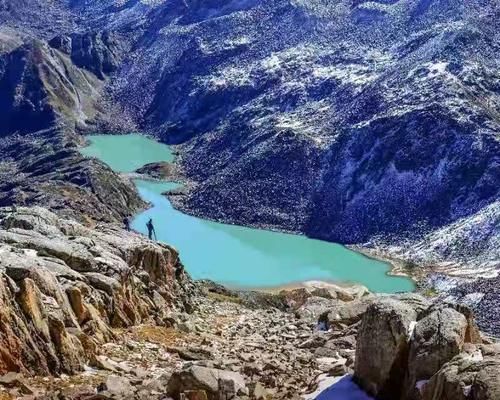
x=472 y=241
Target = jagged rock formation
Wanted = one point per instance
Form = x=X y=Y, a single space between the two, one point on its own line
x=46 y=96
x=97 y=52
x=40 y=86
x=66 y=299
x=472 y=375
x=47 y=169
x=63 y=288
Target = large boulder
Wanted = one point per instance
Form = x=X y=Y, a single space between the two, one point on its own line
x=437 y=338
x=472 y=375
x=118 y=387
x=383 y=347
x=314 y=307
x=295 y=298
x=410 y=349
x=343 y=314
x=216 y=383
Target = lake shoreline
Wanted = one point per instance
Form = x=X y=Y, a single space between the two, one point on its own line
x=265 y=257
x=397 y=266
x=310 y=284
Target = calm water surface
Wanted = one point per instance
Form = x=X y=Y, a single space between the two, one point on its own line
x=234 y=255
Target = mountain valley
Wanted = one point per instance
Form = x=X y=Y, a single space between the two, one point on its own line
x=373 y=124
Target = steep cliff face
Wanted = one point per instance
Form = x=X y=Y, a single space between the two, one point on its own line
x=40 y=86
x=97 y=52
x=47 y=94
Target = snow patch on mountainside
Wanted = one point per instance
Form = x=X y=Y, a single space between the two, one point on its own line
x=297 y=67
x=468 y=248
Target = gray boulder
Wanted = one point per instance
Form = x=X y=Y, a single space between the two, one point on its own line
x=383 y=346
x=472 y=375
x=119 y=386
x=218 y=384
x=342 y=314
x=437 y=338
x=408 y=349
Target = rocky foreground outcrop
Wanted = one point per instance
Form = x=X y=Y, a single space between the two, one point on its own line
x=409 y=349
x=64 y=287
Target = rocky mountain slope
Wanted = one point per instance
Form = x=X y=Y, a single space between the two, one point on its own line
x=107 y=314
x=64 y=287
x=372 y=121
x=46 y=168
x=48 y=94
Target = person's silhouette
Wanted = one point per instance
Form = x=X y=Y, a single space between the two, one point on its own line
x=126 y=223
x=151 y=229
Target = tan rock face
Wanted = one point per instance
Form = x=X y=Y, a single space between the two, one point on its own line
x=487 y=382
x=12 y=329
x=63 y=286
x=408 y=349
x=470 y=376
x=296 y=298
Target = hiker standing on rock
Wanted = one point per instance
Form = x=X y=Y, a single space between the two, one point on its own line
x=151 y=229
x=126 y=222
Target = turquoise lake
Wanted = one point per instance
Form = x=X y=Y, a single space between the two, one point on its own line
x=234 y=255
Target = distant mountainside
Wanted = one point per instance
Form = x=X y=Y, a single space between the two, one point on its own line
x=49 y=93
x=352 y=121
x=349 y=121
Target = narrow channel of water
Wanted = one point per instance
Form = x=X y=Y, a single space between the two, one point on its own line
x=235 y=255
